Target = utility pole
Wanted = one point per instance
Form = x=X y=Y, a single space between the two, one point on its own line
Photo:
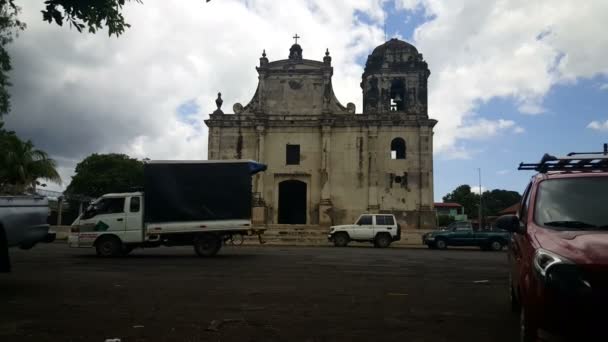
x=479 y=217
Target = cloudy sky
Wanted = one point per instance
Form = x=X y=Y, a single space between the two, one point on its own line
x=510 y=80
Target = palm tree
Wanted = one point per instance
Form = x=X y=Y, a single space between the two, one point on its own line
x=21 y=165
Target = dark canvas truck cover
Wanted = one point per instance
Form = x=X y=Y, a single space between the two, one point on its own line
x=181 y=191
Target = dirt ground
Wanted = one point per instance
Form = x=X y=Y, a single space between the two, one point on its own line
x=256 y=294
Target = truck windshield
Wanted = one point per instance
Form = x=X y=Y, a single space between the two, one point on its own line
x=573 y=204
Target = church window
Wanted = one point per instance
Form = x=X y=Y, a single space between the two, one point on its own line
x=292 y=155
x=397 y=95
x=398 y=148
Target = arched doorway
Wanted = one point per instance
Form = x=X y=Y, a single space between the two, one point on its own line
x=292 y=202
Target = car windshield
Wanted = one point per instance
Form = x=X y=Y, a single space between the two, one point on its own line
x=573 y=204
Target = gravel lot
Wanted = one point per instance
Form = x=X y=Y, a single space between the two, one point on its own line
x=257 y=294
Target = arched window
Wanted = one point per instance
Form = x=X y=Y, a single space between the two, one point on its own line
x=398 y=148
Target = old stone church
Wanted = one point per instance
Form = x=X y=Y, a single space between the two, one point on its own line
x=326 y=164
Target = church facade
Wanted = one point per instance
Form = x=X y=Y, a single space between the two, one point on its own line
x=327 y=164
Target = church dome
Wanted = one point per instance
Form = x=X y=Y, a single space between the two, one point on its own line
x=394 y=53
x=395 y=45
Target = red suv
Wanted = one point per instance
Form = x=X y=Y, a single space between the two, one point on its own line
x=558 y=253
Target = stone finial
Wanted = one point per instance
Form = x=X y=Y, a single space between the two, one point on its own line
x=218 y=103
x=327 y=58
x=263 y=59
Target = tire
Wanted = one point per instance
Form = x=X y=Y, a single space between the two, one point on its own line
x=207 y=245
x=5 y=260
x=431 y=246
x=341 y=239
x=441 y=244
x=382 y=240
x=109 y=246
x=496 y=245
x=527 y=329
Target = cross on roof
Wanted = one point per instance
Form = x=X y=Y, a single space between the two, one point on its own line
x=296 y=38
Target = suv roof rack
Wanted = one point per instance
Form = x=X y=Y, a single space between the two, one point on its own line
x=574 y=161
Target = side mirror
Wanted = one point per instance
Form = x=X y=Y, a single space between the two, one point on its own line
x=509 y=223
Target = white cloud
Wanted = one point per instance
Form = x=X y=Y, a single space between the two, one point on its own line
x=480 y=50
x=503 y=172
x=519 y=130
x=76 y=94
x=598 y=126
x=480 y=129
x=604 y=86
x=476 y=189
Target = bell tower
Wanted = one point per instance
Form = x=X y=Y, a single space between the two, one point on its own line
x=395 y=80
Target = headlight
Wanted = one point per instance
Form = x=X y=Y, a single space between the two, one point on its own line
x=544 y=259
x=559 y=273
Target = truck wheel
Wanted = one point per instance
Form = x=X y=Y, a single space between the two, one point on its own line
x=207 y=245
x=496 y=245
x=441 y=244
x=382 y=240
x=108 y=246
x=5 y=261
x=341 y=240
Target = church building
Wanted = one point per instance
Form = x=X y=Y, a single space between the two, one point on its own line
x=327 y=164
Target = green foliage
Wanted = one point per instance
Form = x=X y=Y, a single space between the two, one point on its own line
x=99 y=174
x=21 y=165
x=463 y=196
x=492 y=201
x=9 y=28
x=496 y=200
x=444 y=220
x=91 y=14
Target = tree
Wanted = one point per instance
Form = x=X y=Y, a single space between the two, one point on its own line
x=463 y=196
x=496 y=200
x=94 y=15
x=9 y=28
x=492 y=201
x=21 y=165
x=99 y=174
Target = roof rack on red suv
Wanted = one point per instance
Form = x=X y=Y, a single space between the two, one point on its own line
x=574 y=161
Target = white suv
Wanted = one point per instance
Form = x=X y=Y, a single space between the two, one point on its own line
x=381 y=229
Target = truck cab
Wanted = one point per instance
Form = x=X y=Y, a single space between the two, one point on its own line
x=110 y=216
x=380 y=229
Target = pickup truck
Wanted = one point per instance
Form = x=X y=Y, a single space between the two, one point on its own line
x=380 y=229
x=183 y=203
x=462 y=234
x=23 y=224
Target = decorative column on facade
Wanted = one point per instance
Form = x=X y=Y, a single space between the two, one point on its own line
x=325 y=206
x=372 y=199
x=214 y=148
x=259 y=205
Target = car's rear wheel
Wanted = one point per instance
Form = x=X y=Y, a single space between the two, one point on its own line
x=496 y=245
x=441 y=244
x=341 y=239
x=382 y=240
x=207 y=245
x=108 y=246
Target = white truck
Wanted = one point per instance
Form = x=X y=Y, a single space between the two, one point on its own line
x=196 y=203
x=380 y=229
x=23 y=224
